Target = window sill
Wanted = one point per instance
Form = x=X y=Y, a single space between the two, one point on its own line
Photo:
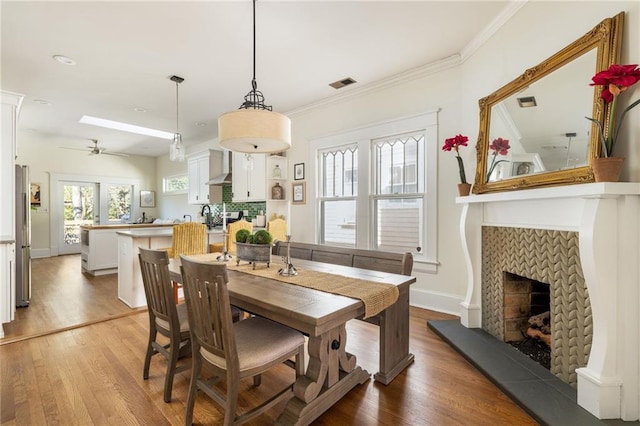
x=425 y=266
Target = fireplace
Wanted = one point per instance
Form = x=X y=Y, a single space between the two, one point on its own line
x=526 y=306
x=584 y=241
x=547 y=256
x=527 y=317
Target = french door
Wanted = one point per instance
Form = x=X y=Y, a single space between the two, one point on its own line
x=80 y=206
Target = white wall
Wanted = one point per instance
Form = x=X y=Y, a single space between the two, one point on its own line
x=44 y=156
x=535 y=32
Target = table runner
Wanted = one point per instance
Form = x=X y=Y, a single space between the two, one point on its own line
x=375 y=296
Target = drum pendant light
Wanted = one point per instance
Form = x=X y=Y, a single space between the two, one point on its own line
x=254 y=128
x=176 y=150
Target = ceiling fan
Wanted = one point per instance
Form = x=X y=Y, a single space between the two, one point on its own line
x=96 y=150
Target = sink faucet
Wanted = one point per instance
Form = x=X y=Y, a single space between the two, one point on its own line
x=206 y=212
x=185 y=217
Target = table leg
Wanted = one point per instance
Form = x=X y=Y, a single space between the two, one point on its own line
x=394 y=339
x=331 y=373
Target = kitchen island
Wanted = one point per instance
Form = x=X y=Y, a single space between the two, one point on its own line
x=99 y=245
x=130 y=287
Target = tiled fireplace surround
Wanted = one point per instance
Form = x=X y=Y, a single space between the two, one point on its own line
x=595 y=295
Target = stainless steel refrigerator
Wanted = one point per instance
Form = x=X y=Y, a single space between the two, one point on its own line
x=23 y=237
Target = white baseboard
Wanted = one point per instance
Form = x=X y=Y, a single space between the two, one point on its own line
x=38 y=253
x=439 y=302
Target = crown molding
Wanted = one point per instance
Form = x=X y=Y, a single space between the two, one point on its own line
x=424 y=70
x=502 y=18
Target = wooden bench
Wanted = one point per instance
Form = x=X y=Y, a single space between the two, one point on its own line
x=395 y=263
x=393 y=321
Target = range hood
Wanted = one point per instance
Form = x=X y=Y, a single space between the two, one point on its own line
x=225 y=177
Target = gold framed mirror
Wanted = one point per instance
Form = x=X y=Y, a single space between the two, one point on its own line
x=542 y=116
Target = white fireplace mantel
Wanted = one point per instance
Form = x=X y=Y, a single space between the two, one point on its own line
x=606 y=217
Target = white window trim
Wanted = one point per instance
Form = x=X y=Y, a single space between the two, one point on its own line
x=427 y=121
x=181 y=191
x=55 y=195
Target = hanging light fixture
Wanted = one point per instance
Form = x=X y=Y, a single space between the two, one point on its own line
x=254 y=128
x=176 y=150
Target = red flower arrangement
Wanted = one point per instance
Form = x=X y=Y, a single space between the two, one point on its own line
x=499 y=146
x=614 y=80
x=454 y=144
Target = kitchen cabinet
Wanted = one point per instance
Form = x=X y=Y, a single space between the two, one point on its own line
x=8 y=123
x=99 y=251
x=9 y=110
x=201 y=167
x=249 y=172
x=7 y=275
x=130 y=286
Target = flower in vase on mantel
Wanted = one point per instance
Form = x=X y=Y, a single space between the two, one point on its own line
x=454 y=144
x=615 y=80
x=499 y=146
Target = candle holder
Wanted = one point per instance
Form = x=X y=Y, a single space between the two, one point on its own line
x=225 y=256
x=288 y=270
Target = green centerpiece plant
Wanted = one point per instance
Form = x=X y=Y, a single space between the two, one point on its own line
x=253 y=248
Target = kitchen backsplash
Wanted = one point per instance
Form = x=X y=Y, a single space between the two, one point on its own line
x=254 y=209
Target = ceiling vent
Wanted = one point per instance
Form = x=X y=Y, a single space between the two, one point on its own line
x=341 y=83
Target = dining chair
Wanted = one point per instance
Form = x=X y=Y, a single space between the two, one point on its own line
x=232 y=228
x=278 y=229
x=187 y=238
x=165 y=317
x=232 y=351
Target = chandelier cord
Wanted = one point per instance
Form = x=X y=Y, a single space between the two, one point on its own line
x=254 y=84
x=254 y=99
x=177 y=110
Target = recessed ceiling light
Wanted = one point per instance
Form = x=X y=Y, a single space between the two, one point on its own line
x=201 y=124
x=140 y=109
x=42 y=102
x=125 y=127
x=64 y=59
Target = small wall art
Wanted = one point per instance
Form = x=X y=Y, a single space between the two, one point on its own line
x=35 y=195
x=298 y=171
x=298 y=190
x=147 y=198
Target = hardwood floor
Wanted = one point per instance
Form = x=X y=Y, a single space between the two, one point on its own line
x=62 y=296
x=92 y=375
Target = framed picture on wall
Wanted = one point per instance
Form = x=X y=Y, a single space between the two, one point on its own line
x=147 y=198
x=298 y=171
x=298 y=190
x=35 y=195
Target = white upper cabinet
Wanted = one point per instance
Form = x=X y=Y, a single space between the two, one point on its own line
x=249 y=173
x=201 y=167
x=9 y=116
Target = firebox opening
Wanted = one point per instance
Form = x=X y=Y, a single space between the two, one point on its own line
x=527 y=319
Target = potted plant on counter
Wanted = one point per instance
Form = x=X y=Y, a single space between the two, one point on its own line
x=253 y=248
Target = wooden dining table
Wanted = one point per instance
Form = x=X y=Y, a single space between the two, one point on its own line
x=322 y=316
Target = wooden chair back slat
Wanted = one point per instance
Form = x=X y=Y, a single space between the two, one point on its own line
x=205 y=287
x=154 y=266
